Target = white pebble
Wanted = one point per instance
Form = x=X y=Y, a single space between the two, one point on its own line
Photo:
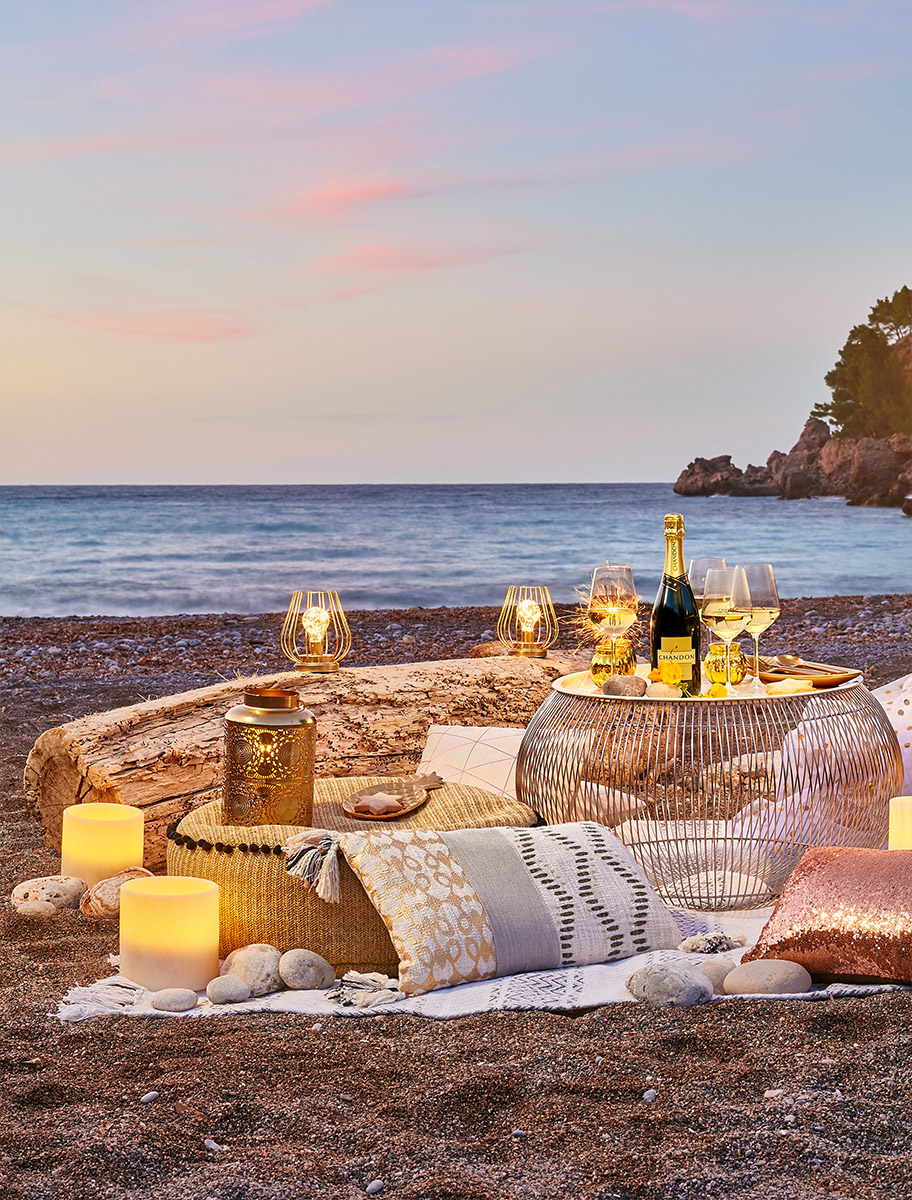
x=649 y=1095
x=303 y=970
x=173 y=1000
x=211 y=1145
x=375 y=1186
x=227 y=989
x=63 y=891
x=148 y=1098
x=36 y=908
x=257 y=965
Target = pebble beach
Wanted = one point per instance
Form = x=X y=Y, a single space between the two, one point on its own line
x=747 y=1099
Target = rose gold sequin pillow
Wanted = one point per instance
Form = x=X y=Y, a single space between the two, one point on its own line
x=845 y=914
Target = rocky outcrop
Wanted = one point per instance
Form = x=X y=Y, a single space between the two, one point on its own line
x=873 y=472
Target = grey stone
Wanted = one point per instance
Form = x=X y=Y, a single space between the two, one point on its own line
x=680 y=984
x=768 y=976
x=37 y=908
x=716 y=970
x=649 y=1095
x=303 y=970
x=148 y=1097
x=257 y=965
x=173 y=1000
x=228 y=989
x=63 y=891
x=211 y=1144
x=624 y=685
x=374 y=1187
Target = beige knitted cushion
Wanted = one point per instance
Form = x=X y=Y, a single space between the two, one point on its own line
x=260 y=902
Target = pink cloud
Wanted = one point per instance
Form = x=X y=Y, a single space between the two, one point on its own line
x=174 y=22
x=381 y=259
x=338 y=198
x=167 y=325
x=15 y=154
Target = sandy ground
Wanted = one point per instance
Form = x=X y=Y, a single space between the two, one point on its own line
x=508 y=1105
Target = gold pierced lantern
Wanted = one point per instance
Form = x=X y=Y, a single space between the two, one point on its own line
x=527 y=624
x=270 y=743
x=315 y=636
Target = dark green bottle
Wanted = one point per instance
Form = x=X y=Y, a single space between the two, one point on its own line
x=674 y=627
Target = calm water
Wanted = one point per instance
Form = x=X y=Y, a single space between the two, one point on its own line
x=157 y=550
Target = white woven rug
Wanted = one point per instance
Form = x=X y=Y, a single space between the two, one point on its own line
x=555 y=991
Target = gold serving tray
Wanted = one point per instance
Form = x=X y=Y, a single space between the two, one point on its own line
x=579 y=684
x=819 y=675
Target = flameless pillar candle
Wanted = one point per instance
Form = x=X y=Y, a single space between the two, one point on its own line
x=101 y=839
x=900 y=835
x=169 y=931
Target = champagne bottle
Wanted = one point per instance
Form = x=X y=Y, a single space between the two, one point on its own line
x=674 y=627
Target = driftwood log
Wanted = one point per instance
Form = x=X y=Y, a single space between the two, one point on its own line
x=165 y=756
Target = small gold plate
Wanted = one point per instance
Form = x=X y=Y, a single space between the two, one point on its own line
x=412 y=794
x=819 y=675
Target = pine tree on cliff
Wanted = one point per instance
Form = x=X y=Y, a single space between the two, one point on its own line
x=872 y=381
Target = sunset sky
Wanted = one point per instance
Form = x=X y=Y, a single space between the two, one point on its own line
x=368 y=240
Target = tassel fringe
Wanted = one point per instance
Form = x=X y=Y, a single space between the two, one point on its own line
x=313 y=856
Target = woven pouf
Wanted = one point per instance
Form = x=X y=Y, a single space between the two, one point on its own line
x=261 y=902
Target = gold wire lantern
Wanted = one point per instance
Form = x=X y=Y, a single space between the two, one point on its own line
x=315 y=636
x=527 y=624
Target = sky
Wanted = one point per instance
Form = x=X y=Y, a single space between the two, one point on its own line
x=342 y=241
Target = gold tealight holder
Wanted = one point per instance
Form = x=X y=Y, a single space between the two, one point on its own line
x=527 y=624
x=315 y=636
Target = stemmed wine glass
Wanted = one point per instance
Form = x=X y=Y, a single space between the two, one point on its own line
x=696 y=576
x=764 y=607
x=613 y=603
x=726 y=607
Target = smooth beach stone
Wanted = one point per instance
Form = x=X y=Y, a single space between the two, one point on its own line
x=716 y=971
x=102 y=901
x=663 y=691
x=624 y=685
x=768 y=976
x=227 y=989
x=63 y=891
x=257 y=965
x=173 y=1000
x=680 y=984
x=37 y=908
x=303 y=970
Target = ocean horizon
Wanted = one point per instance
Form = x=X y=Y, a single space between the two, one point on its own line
x=147 y=550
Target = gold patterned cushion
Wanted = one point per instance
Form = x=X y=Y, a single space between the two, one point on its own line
x=476 y=904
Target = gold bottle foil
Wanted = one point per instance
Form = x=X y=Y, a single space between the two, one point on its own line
x=270 y=746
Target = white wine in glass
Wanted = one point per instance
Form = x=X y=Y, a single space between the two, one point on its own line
x=726 y=607
x=613 y=603
x=696 y=574
x=764 y=606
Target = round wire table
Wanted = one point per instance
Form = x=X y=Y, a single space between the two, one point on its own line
x=716 y=799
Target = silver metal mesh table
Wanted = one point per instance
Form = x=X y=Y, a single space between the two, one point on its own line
x=716 y=799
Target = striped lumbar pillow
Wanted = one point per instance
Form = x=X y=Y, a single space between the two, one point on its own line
x=481 y=903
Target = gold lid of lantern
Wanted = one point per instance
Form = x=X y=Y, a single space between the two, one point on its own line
x=527 y=625
x=315 y=635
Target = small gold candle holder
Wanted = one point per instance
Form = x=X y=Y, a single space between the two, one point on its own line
x=315 y=635
x=527 y=625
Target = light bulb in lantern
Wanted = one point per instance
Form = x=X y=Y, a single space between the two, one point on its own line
x=528 y=614
x=315 y=621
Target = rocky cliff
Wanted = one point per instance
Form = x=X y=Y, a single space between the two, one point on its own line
x=874 y=472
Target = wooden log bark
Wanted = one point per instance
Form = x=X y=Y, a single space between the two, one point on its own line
x=165 y=756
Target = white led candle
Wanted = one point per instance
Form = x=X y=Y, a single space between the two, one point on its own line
x=169 y=931
x=900 y=835
x=99 y=840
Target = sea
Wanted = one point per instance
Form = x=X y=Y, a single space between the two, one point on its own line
x=158 y=550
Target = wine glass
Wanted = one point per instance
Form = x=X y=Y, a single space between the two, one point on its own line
x=696 y=575
x=613 y=603
x=726 y=607
x=764 y=607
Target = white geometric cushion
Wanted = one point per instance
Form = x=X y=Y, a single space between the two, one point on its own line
x=482 y=756
x=896 y=699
